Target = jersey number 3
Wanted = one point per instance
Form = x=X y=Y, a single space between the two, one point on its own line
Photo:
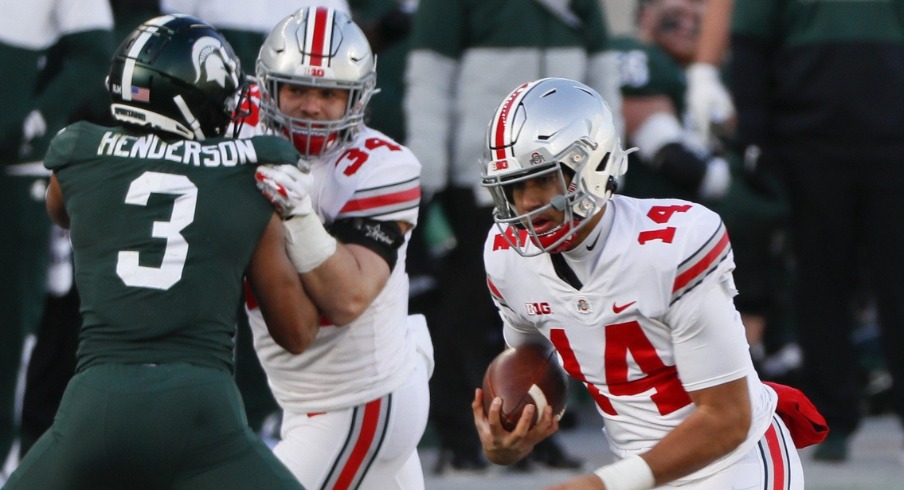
x=170 y=270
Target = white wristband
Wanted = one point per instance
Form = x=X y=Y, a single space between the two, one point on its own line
x=307 y=242
x=631 y=473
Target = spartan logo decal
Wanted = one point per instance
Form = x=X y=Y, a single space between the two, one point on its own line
x=212 y=63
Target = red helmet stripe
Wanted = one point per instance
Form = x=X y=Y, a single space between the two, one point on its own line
x=320 y=32
x=502 y=118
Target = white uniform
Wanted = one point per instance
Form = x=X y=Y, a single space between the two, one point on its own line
x=355 y=402
x=254 y=15
x=629 y=327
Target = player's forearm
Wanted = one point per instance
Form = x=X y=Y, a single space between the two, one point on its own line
x=705 y=436
x=714 y=27
x=345 y=285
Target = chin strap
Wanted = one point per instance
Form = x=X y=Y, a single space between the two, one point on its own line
x=189 y=117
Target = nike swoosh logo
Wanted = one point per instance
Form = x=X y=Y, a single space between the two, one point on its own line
x=618 y=309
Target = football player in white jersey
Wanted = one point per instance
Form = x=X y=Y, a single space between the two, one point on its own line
x=635 y=296
x=355 y=403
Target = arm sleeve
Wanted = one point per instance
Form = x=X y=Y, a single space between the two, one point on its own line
x=428 y=112
x=438 y=38
x=602 y=66
x=603 y=76
x=516 y=333
x=707 y=334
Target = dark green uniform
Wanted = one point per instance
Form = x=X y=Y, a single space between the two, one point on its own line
x=818 y=87
x=47 y=50
x=162 y=232
x=646 y=70
x=754 y=221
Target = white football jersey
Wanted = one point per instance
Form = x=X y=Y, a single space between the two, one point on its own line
x=377 y=178
x=627 y=328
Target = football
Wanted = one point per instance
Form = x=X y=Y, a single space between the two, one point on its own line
x=528 y=374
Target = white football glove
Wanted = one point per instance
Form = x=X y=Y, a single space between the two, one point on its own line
x=289 y=190
x=708 y=102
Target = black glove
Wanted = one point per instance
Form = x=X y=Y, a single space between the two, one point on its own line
x=706 y=176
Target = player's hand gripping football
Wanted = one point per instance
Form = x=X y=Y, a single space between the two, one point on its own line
x=287 y=188
x=504 y=447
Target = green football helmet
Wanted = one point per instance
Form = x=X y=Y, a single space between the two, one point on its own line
x=177 y=74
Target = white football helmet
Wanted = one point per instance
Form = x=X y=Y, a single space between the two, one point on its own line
x=552 y=126
x=322 y=47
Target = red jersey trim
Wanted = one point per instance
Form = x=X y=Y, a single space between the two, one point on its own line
x=693 y=270
x=384 y=203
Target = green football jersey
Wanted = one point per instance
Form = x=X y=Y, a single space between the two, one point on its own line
x=646 y=70
x=162 y=231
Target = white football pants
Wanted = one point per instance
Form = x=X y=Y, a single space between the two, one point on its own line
x=772 y=464
x=369 y=447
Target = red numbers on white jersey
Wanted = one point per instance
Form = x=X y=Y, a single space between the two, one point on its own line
x=355 y=157
x=622 y=339
x=662 y=215
x=627 y=338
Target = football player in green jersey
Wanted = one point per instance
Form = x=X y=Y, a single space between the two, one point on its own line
x=653 y=86
x=165 y=222
x=673 y=162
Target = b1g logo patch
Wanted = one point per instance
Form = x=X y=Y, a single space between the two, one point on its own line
x=538 y=308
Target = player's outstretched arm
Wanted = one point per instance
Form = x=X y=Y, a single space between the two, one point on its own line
x=291 y=316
